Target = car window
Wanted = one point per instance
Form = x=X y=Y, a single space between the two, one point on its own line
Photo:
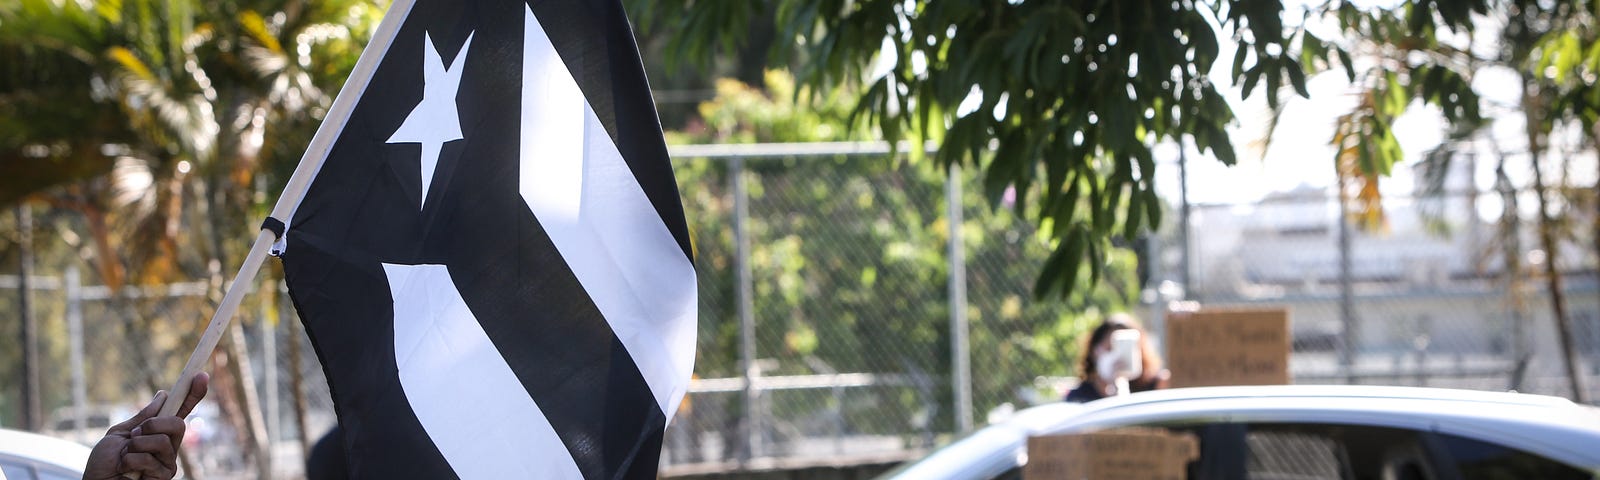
x=94 y=421
x=1013 y=474
x=57 y=475
x=1277 y=454
x=97 y=421
x=52 y=472
x=1335 y=452
x=1479 y=460
x=13 y=471
x=984 y=451
x=1328 y=451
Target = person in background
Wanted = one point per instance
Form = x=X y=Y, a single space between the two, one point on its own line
x=145 y=446
x=1099 y=366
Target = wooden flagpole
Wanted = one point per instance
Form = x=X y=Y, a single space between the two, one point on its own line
x=293 y=192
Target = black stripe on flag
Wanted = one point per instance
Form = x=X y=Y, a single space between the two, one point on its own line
x=366 y=209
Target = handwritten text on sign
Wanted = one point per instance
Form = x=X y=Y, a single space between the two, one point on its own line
x=1228 y=347
x=1133 y=453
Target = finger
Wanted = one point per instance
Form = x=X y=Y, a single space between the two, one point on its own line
x=149 y=411
x=146 y=466
x=160 y=426
x=197 y=391
x=159 y=446
x=171 y=427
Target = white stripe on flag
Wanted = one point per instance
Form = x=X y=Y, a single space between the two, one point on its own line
x=587 y=200
x=463 y=392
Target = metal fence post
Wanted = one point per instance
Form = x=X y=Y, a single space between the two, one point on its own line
x=269 y=363
x=80 y=394
x=1347 y=314
x=960 y=359
x=750 y=427
x=1184 y=212
x=32 y=416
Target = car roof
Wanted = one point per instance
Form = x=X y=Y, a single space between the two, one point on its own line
x=47 y=450
x=1337 y=391
x=1466 y=405
x=1550 y=426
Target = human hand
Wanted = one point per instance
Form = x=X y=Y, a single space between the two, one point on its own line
x=145 y=446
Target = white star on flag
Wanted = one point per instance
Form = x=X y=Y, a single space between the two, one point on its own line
x=435 y=120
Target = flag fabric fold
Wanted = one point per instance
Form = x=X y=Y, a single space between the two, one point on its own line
x=492 y=260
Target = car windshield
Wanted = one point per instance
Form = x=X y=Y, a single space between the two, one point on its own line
x=96 y=421
x=987 y=451
x=971 y=453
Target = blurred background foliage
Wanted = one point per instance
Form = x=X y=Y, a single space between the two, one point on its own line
x=152 y=133
x=1067 y=98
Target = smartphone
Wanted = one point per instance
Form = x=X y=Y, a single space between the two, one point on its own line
x=1125 y=353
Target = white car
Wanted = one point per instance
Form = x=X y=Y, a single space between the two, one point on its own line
x=96 y=419
x=27 y=456
x=1312 y=432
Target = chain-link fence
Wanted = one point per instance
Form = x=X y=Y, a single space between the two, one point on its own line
x=826 y=331
x=826 y=321
x=102 y=352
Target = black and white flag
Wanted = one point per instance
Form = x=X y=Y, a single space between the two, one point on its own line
x=492 y=261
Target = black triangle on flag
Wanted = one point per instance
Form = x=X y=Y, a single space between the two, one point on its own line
x=492 y=260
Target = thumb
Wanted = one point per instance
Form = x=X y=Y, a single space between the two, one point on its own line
x=148 y=411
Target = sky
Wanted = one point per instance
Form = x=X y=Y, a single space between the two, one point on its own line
x=1300 y=154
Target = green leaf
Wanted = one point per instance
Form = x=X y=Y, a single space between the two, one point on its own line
x=1432 y=77
x=1153 y=206
x=1297 y=77
x=1349 y=66
x=1105 y=211
x=1251 y=77
x=1238 y=59
x=1132 y=221
x=1066 y=210
x=1395 y=97
x=1060 y=272
x=1274 y=80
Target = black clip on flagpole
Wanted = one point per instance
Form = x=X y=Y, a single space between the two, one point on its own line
x=277 y=227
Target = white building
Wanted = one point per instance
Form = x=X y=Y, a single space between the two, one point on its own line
x=1421 y=292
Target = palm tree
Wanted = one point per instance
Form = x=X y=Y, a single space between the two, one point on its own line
x=244 y=72
x=163 y=123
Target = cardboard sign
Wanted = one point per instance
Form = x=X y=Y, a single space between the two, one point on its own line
x=1212 y=347
x=1132 y=453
